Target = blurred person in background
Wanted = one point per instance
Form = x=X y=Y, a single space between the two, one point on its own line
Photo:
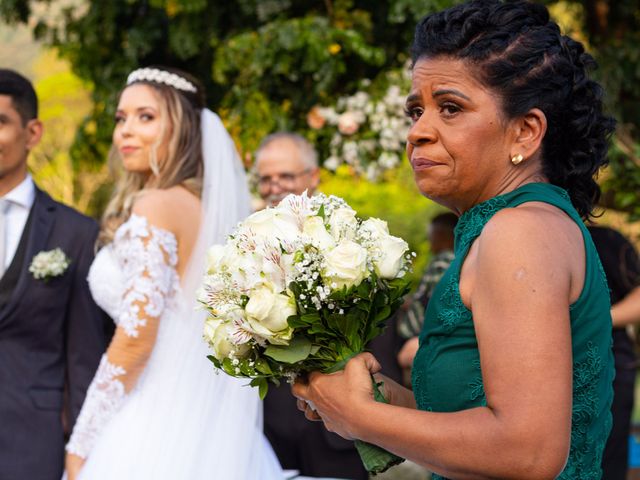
x=411 y=316
x=286 y=163
x=622 y=266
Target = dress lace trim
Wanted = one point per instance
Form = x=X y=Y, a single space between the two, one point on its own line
x=104 y=397
x=148 y=257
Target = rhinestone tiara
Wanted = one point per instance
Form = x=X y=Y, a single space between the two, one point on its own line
x=161 y=76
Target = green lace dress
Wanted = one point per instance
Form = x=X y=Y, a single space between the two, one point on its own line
x=446 y=369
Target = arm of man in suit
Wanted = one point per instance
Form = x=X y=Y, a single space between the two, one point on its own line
x=84 y=335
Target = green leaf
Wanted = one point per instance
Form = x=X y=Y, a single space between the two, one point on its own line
x=298 y=350
x=310 y=318
x=383 y=314
x=262 y=384
x=294 y=321
x=341 y=363
x=215 y=361
x=263 y=366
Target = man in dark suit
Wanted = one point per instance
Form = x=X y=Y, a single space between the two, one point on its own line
x=286 y=163
x=51 y=332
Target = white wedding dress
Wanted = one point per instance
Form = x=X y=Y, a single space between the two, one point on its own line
x=180 y=419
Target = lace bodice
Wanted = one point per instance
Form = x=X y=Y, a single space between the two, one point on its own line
x=134 y=279
x=121 y=263
x=106 y=281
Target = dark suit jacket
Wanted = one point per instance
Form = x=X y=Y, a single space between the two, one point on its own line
x=51 y=339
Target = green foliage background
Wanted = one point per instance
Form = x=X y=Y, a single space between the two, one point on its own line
x=266 y=63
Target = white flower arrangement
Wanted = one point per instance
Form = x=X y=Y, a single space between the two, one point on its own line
x=49 y=264
x=302 y=287
x=369 y=133
x=308 y=259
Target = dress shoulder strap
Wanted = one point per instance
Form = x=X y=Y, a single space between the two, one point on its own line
x=473 y=221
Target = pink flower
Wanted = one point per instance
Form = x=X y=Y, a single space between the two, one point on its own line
x=315 y=119
x=348 y=123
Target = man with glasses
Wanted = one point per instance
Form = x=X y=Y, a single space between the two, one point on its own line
x=286 y=163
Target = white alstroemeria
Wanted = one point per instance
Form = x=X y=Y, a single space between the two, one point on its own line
x=296 y=208
x=343 y=223
x=317 y=232
x=219 y=293
x=243 y=267
x=391 y=258
x=345 y=265
x=274 y=262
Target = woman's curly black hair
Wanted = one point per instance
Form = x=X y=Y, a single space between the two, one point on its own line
x=520 y=54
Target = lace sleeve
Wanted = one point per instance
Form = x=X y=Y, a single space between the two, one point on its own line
x=148 y=258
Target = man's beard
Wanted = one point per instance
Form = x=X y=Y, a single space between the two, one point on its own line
x=274 y=199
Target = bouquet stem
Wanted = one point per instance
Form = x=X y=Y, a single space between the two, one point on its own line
x=376 y=459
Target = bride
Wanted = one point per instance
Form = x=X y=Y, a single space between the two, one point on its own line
x=156 y=409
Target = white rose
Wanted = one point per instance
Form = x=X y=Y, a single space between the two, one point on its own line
x=315 y=229
x=215 y=257
x=218 y=335
x=392 y=251
x=270 y=309
x=343 y=223
x=378 y=228
x=345 y=265
x=282 y=337
x=270 y=223
x=260 y=304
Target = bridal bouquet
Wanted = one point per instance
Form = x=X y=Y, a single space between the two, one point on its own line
x=302 y=287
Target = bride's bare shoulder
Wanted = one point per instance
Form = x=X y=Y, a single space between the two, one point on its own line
x=167 y=208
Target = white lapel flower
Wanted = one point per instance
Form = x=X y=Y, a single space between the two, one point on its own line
x=49 y=264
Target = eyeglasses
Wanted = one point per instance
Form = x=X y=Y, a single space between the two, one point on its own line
x=284 y=180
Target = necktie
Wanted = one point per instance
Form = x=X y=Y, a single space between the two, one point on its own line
x=4 y=207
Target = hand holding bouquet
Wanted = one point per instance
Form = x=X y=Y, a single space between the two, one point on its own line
x=301 y=287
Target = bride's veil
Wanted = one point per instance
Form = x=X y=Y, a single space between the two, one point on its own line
x=226 y=413
x=225 y=194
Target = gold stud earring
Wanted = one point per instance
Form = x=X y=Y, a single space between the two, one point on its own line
x=517 y=159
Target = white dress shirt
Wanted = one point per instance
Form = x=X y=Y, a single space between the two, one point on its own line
x=20 y=201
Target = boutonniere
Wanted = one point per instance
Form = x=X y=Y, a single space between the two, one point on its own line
x=46 y=265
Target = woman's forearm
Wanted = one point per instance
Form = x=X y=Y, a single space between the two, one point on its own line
x=470 y=444
x=627 y=310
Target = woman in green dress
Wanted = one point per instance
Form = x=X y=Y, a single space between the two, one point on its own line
x=514 y=371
